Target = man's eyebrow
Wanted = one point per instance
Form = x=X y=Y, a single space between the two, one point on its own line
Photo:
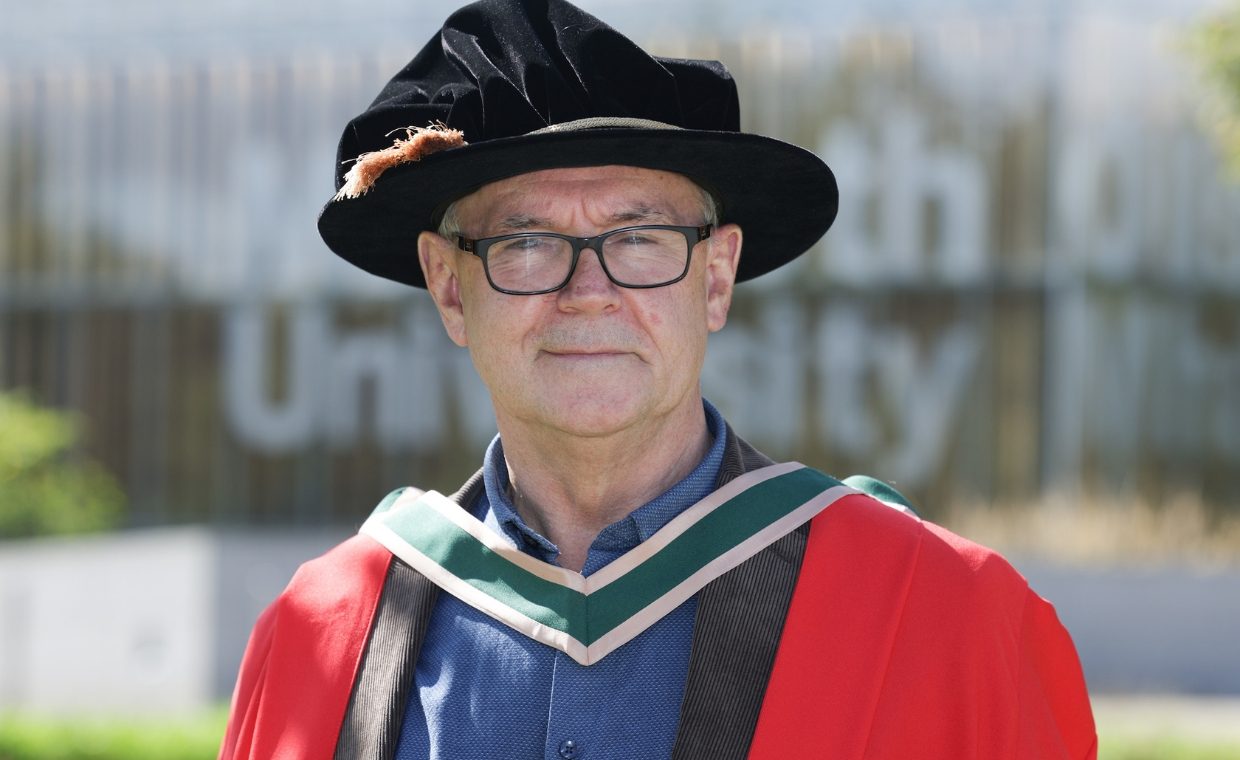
x=521 y=223
x=642 y=215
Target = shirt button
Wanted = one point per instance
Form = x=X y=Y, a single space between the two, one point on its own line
x=569 y=749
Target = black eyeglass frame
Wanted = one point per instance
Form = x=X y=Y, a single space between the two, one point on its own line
x=480 y=247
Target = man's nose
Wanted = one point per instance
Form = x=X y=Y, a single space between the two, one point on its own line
x=589 y=287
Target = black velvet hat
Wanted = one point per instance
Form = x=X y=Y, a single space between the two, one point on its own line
x=514 y=86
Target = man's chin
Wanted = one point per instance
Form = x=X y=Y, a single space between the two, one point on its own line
x=597 y=415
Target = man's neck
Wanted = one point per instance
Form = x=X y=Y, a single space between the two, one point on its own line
x=569 y=488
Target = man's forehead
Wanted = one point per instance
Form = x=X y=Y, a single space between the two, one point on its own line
x=619 y=193
x=637 y=213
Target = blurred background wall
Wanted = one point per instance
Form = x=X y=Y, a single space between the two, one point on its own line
x=1033 y=283
x=1033 y=286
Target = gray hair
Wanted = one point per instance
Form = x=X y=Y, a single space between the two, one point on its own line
x=450 y=224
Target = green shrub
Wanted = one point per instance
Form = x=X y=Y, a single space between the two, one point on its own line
x=34 y=738
x=45 y=486
x=1166 y=748
x=1215 y=44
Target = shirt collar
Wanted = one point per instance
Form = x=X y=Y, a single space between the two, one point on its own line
x=499 y=513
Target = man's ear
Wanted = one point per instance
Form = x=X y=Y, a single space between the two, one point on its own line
x=439 y=262
x=722 y=258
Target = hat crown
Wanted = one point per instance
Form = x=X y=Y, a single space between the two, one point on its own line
x=539 y=84
x=503 y=68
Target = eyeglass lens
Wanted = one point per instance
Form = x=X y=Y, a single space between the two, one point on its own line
x=636 y=257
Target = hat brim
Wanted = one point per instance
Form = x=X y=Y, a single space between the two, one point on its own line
x=783 y=197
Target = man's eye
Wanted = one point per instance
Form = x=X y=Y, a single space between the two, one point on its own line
x=526 y=245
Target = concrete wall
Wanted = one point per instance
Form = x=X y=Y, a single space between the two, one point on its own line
x=148 y=621
x=1167 y=629
x=120 y=622
x=156 y=621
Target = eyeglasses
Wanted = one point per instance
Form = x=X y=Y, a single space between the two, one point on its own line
x=530 y=263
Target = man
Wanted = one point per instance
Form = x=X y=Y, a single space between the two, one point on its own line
x=625 y=577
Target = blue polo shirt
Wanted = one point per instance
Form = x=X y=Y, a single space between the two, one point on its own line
x=482 y=690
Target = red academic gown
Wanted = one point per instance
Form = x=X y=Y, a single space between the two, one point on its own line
x=902 y=641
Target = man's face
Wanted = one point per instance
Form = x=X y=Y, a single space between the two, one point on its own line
x=592 y=358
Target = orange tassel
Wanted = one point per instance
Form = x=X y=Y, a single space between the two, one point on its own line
x=417 y=142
